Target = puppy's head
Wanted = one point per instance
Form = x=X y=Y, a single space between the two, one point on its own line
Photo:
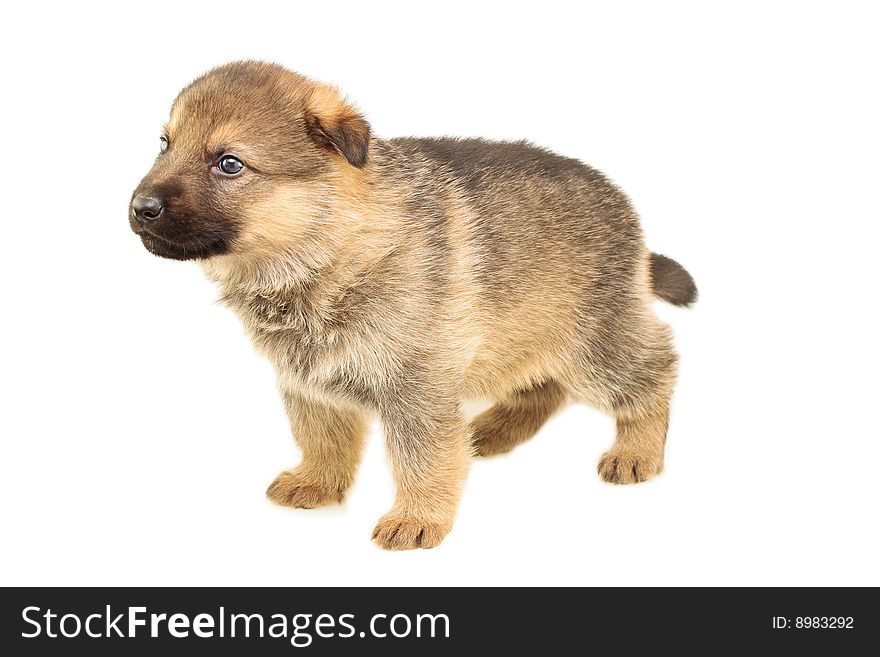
x=245 y=142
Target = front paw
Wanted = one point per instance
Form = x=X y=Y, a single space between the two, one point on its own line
x=400 y=531
x=292 y=488
x=620 y=467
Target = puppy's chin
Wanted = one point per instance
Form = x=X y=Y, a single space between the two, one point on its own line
x=192 y=250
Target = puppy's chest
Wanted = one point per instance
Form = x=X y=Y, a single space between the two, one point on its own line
x=317 y=349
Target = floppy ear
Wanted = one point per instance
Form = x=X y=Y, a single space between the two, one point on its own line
x=336 y=125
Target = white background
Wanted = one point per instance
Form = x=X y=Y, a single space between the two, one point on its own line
x=140 y=429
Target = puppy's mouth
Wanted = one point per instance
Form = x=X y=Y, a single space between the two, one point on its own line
x=189 y=249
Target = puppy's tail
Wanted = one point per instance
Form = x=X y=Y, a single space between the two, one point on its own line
x=671 y=282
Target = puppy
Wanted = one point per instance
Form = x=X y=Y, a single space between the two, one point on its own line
x=395 y=278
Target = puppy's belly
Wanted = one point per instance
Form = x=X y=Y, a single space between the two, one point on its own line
x=528 y=343
x=493 y=375
x=331 y=373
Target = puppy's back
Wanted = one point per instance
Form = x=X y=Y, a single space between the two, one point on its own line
x=541 y=219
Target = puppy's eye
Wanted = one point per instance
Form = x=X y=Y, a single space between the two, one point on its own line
x=163 y=144
x=230 y=165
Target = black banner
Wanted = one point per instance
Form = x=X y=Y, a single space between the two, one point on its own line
x=319 y=621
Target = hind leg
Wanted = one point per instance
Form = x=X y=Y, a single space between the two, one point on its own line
x=516 y=419
x=637 y=454
x=633 y=378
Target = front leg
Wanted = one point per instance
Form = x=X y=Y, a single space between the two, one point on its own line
x=331 y=439
x=429 y=448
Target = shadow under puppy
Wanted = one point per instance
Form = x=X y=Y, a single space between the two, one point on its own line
x=396 y=278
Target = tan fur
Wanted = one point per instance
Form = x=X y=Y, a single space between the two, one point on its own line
x=516 y=419
x=331 y=440
x=400 y=278
x=637 y=454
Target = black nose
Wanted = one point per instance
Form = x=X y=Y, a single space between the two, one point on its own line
x=147 y=208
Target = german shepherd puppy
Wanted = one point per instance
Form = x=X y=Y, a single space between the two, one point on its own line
x=396 y=278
